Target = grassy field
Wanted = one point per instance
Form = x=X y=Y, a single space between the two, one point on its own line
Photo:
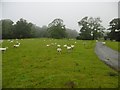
x=113 y=45
x=33 y=65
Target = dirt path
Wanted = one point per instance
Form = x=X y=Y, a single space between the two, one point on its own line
x=109 y=56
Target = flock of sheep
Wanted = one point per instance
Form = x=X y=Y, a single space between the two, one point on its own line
x=59 y=47
x=16 y=45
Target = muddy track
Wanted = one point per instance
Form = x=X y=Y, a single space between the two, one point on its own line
x=108 y=56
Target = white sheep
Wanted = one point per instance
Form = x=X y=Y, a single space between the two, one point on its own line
x=16 y=46
x=69 y=48
x=65 y=45
x=47 y=45
x=72 y=46
x=58 y=45
x=75 y=42
x=3 y=49
x=59 y=49
x=11 y=41
x=103 y=43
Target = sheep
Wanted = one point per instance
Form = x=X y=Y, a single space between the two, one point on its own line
x=58 y=45
x=47 y=45
x=72 y=46
x=16 y=46
x=3 y=49
x=8 y=40
x=75 y=42
x=65 y=45
x=18 y=43
x=59 y=49
x=69 y=48
x=103 y=43
x=11 y=41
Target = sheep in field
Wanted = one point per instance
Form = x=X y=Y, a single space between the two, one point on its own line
x=69 y=48
x=59 y=49
x=58 y=45
x=103 y=43
x=16 y=46
x=65 y=46
x=72 y=46
x=47 y=45
x=3 y=49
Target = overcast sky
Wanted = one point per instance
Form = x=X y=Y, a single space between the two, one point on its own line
x=42 y=13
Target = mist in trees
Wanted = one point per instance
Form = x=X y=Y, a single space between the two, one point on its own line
x=24 y=29
x=71 y=33
x=90 y=28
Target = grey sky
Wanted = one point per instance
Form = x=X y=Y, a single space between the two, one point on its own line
x=42 y=13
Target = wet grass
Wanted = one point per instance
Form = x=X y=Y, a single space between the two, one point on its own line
x=33 y=65
x=114 y=45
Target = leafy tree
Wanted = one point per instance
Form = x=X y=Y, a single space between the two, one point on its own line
x=114 y=29
x=23 y=29
x=90 y=28
x=56 y=29
x=7 y=28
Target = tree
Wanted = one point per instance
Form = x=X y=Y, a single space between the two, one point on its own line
x=7 y=28
x=23 y=29
x=114 y=29
x=90 y=28
x=56 y=29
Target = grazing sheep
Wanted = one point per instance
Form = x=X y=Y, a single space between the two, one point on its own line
x=69 y=48
x=47 y=45
x=8 y=40
x=65 y=45
x=59 y=49
x=58 y=45
x=72 y=46
x=16 y=46
x=11 y=41
x=75 y=42
x=103 y=43
x=3 y=49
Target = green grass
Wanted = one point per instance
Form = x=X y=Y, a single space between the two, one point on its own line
x=114 y=45
x=33 y=65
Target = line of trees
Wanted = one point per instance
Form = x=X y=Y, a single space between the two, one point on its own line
x=90 y=29
x=23 y=29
